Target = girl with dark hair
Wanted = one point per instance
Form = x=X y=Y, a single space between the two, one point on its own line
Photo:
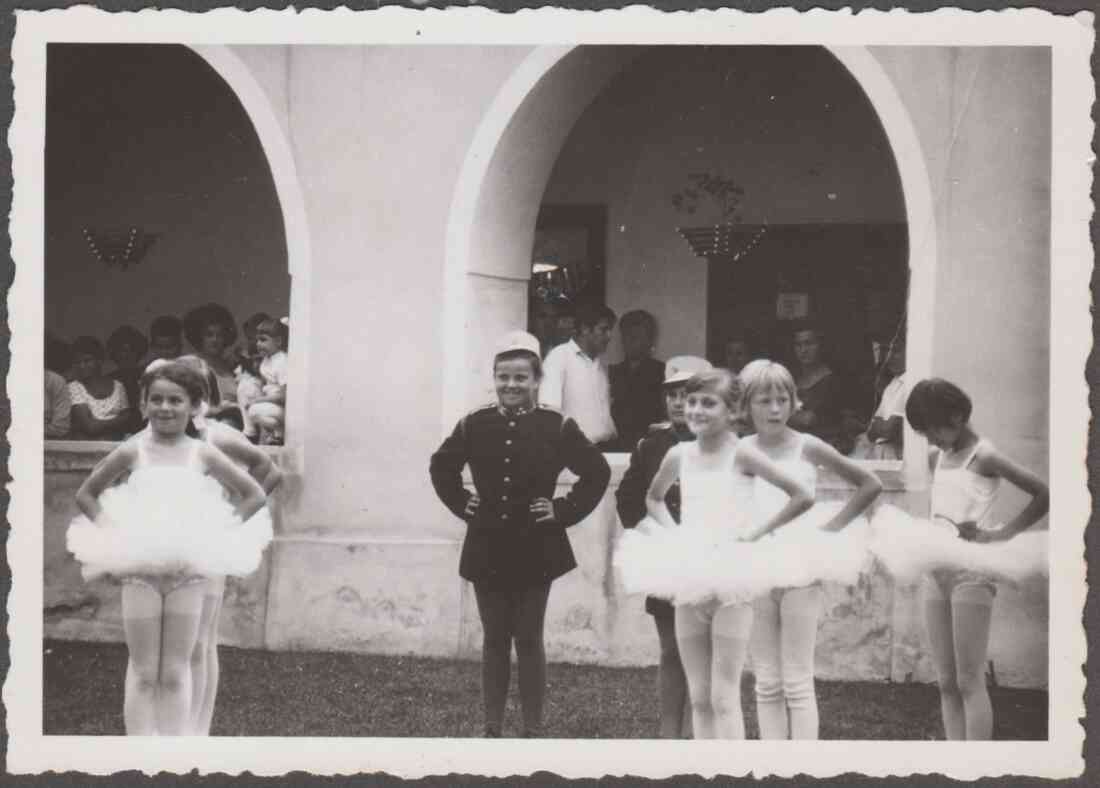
x=161 y=532
x=961 y=551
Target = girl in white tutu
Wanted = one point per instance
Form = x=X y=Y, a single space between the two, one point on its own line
x=161 y=532
x=696 y=564
x=205 y=669
x=813 y=547
x=961 y=551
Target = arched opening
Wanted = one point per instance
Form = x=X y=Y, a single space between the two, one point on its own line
x=200 y=175
x=507 y=170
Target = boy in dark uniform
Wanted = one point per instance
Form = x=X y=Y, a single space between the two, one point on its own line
x=630 y=498
x=515 y=543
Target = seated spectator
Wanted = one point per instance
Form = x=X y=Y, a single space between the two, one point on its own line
x=884 y=435
x=819 y=390
x=738 y=352
x=100 y=408
x=636 y=382
x=249 y=382
x=266 y=412
x=57 y=405
x=248 y=358
x=127 y=348
x=165 y=338
x=211 y=331
x=574 y=376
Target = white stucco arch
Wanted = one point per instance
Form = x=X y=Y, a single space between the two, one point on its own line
x=493 y=191
x=280 y=158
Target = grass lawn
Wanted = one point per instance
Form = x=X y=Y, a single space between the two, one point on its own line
x=267 y=693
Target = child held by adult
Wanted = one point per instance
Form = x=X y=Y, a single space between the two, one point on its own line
x=697 y=565
x=161 y=532
x=515 y=545
x=265 y=411
x=786 y=617
x=249 y=383
x=960 y=551
x=675 y=711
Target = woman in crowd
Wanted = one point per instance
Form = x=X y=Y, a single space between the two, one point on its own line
x=211 y=331
x=100 y=408
x=820 y=391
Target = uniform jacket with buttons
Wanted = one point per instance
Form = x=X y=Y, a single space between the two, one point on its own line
x=645 y=461
x=515 y=459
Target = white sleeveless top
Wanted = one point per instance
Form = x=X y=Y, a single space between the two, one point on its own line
x=960 y=494
x=769 y=499
x=717 y=499
x=145 y=462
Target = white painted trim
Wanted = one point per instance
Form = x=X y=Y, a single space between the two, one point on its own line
x=284 y=172
x=920 y=215
x=460 y=223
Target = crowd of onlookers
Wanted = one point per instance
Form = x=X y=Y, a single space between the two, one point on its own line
x=93 y=389
x=861 y=415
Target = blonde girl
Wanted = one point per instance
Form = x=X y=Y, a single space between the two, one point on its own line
x=690 y=565
x=786 y=616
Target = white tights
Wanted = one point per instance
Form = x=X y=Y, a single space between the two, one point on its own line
x=957 y=613
x=161 y=629
x=783 y=638
x=713 y=641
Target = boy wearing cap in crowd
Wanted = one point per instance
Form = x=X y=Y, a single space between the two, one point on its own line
x=575 y=378
x=515 y=544
x=630 y=499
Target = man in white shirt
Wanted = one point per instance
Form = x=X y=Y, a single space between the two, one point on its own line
x=883 y=439
x=574 y=375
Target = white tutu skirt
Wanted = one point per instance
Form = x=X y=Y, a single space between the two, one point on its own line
x=691 y=564
x=910 y=547
x=168 y=520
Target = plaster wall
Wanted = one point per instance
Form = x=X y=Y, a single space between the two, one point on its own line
x=184 y=163
x=982 y=115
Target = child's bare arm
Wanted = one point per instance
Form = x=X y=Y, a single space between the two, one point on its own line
x=655 y=497
x=250 y=496
x=866 y=483
x=991 y=462
x=754 y=463
x=103 y=474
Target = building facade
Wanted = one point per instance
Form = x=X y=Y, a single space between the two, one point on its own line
x=409 y=195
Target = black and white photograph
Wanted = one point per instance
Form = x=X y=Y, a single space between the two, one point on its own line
x=418 y=383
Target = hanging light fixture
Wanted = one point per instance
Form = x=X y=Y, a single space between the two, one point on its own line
x=119 y=247
x=725 y=240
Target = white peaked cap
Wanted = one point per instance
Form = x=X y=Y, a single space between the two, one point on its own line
x=517 y=340
x=681 y=368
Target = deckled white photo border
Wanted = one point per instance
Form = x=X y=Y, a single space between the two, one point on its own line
x=1070 y=40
